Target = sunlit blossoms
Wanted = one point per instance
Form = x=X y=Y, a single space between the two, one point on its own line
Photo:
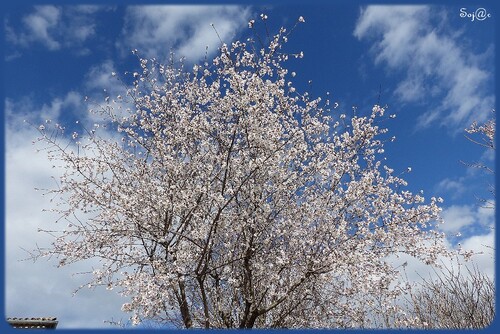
x=226 y=198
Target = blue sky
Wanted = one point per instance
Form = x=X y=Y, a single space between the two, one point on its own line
x=433 y=68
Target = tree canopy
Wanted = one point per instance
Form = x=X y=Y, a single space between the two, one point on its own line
x=222 y=197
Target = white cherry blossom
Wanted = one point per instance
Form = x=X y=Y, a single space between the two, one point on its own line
x=226 y=199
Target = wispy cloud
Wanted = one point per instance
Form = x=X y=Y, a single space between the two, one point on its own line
x=186 y=30
x=454 y=187
x=414 y=40
x=40 y=24
x=25 y=109
x=55 y=27
x=100 y=78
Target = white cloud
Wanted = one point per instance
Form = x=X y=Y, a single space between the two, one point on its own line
x=55 y=27
x=99 y=77
x=186 y=30
x=16 y=112
x=40 y=289
x=450 y=186
x=488 y=156
x=457 y=217
x=484 y=247
x=486 y=216
x=41 y=24
x=483 y=259
x=435 y=63
x=463 y=218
